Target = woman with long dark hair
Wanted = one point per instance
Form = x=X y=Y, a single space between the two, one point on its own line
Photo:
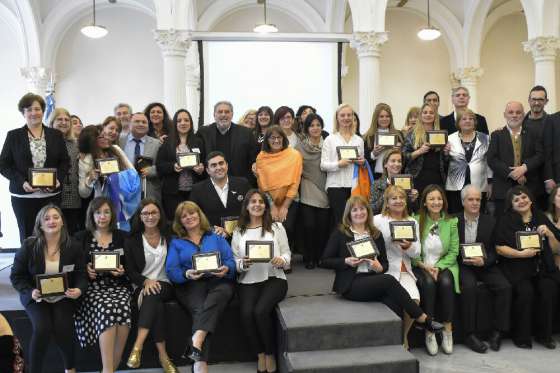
x=285 y=118
x=264 y=120
x=158 y=120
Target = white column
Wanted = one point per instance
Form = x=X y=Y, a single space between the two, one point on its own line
x=368 y=47
x=544 y=50
x=468 y=78
x=174 y=45
x=37 y=78
x=192 y=83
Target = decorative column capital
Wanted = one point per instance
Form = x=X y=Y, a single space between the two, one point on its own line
x=468 y=74
x=38 y=78
x=173 y=42
x=542 y=47
x=368 y=44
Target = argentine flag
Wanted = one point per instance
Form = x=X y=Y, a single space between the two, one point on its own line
x=49 y=100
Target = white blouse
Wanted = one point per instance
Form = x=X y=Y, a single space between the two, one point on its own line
x=155 y=260
x=433 y=248
x=259 y=272
x=338 y=177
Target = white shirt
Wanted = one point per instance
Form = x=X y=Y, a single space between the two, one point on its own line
x=222 y=192
x=51 y=267
x=155 y=260
x=338 y=177
x=432 y=249
x=259 y=272
x=293 y=140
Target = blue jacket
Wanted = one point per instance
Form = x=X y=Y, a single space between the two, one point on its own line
x=180 y=251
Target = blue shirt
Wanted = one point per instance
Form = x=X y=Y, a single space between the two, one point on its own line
x=130 y=145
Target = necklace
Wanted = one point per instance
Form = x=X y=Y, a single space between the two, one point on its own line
x=33 y=136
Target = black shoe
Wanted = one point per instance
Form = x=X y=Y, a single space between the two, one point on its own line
x=546 y=342
x=310 y=265
x=475 y=344
x=495 y=340
x=194 y=354
x=431 y=325
x=523 y=344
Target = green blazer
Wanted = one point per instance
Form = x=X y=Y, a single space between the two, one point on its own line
x=449 y=235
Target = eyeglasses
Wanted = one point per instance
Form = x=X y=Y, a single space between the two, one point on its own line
x=146 y=214
x=275 y=138
x=537 y=99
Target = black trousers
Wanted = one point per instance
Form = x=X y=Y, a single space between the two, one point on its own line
x=377 y=287
x=205 y=299
x=73 y=220
x=26 y=210
x=56 y=320
x=151 y=314
x=171 y=201
x=498 y=285
x=430 y=291
x=337 y=201
x=290 y=222
x=258 y=301
x=316 y=225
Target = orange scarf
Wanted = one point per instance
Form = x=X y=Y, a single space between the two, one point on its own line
x=277 y=170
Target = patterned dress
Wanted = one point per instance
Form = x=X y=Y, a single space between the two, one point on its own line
x=105 y=304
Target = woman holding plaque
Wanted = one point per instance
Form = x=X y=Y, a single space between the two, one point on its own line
x=530 y=270
x=71 y=202
x=158 y=120
x=50 y=251
x=400 y=250
x=427 y=163
x=26 y=151
x=436 y=269
x=261 y=252
x=467 y=160
x=104 y=313
x=146 y=252
x=177 y=181
x=392 y=166
x=375 y=148
x=201 y=265
x=340 y=170
x=365 y=279
x=112 y=129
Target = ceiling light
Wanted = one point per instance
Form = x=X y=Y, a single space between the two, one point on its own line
x=430 y=32
x=265 y=28
x=94 y=31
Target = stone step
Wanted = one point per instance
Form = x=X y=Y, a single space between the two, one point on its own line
x=386 y=359
x=329 y=322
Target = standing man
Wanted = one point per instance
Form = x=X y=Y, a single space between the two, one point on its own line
x=476 y=227
x=141 y=150
x=432 y=98
x=515 y=156
x=123 y=113
x=460 y=97
x=237 y=143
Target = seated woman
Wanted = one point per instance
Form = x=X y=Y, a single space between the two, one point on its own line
x=205 y=295
x=392 y=166
x=146 y=251
x=48 y=251
x=399 y=253
x=437 y=270
x=104 y=313
x=366 y=280
x=261 y=285
x=530 y=271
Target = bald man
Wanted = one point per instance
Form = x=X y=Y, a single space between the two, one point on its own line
x=515 y=156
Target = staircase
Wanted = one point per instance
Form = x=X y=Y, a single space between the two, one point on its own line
x=330 y=334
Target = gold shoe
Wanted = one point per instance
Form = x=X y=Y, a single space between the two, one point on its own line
x=167 y=365
x=134 y=358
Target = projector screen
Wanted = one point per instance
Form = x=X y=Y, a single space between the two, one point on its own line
x=251 y=74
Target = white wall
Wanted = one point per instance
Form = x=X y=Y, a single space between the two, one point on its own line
x=244 y=20
x=126 y=65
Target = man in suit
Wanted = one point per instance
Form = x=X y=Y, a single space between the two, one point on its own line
x=432 y=98
x=460 y=98
x=515 y=156
x=551 y=136
x=236 y=142
x=141 y=150
x=123 y=113
x=476 y=227
x=221 y=195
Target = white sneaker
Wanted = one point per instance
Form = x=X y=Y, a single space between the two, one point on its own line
x=447 y=342
x=431 y=344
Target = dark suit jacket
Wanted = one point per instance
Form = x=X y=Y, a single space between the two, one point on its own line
x=243 y=146
x=335 y=253
x=500 y=159
x=484 y=234
x=15 y=159
x=166 y=159
x=27 y=265
x=205 y=196
x=551 y=139
x=448 y=123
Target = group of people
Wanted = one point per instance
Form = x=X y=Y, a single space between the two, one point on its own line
x=281 y=178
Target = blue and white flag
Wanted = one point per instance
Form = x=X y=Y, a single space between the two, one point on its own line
x=49 y=100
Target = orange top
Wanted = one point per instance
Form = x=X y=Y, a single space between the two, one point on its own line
x=279 y=174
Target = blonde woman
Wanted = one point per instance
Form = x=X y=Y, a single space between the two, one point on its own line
x=249 y=119
x=411 y=118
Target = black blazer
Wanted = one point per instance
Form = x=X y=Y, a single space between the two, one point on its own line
x=335 y=253
x=27 y=265
x=166 y=159
x=15 y=159
x=205 y=196
x=136 y=261
x=500 y=158
x=243 y=146
x=484 y=234
x=551 y=139
x=448 y=123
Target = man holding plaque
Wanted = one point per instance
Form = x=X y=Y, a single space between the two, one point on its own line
x=479 y=264
x=460 y=97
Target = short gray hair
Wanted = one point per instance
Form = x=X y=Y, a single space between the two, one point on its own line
x=123 y=104
x=223 y=103
x=466 y=189
x=454 y=90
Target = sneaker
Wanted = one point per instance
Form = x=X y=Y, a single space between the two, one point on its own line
x=431 y=343
x=447 y=342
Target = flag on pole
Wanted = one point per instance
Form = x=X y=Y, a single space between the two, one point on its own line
x=49 y=100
